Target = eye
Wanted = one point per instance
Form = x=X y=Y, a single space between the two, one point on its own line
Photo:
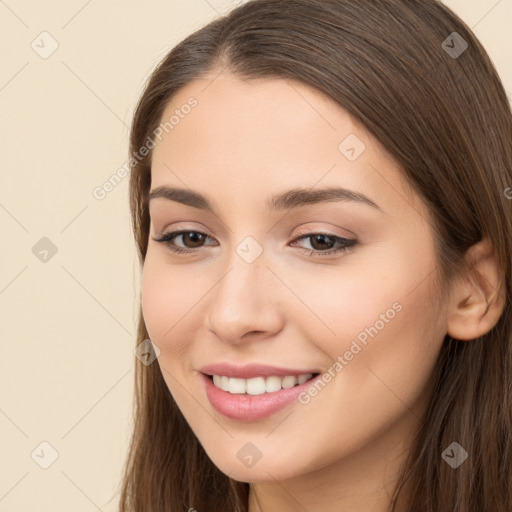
x=321 y=243
x=194 y=238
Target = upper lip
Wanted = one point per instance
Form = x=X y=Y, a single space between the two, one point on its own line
x=251 y=370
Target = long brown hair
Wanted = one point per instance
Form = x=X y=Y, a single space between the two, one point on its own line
x=445 y=118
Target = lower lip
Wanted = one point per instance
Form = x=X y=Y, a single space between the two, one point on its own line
x=244 y=407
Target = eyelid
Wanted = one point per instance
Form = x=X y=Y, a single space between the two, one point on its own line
x=181 y=226
x=310 y=230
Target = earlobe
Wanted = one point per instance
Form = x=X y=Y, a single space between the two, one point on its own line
x=478 y=299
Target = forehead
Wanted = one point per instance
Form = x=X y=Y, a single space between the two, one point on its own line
x=253 y=113
x=262 y=135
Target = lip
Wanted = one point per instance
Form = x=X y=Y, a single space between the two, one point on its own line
x=251 y=370
x=249 y=408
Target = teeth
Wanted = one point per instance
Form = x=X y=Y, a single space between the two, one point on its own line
x=224 y=383
x=258 y=385
x=304 y=378
x=289 y=382
x=273 y=384
x=236 y=386
x=255 y=386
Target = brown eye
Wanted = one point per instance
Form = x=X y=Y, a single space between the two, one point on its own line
x=322 y=244
x=193 y=238
x=190 y=239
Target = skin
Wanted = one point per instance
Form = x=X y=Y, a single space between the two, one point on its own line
x=245 y=141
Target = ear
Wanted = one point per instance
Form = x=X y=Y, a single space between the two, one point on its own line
x=478 y=299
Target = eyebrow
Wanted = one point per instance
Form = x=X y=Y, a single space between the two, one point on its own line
x=284 y=201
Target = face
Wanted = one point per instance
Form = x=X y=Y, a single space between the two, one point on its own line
x=331 y=285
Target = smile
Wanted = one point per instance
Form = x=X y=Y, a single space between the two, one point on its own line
x=256 y=398
x=258 y=385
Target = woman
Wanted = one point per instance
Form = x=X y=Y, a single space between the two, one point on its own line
x=319 y=200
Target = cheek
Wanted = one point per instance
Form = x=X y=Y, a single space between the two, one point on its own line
x=153 y=296
x=163 y=299
x=388 y=330
x=340 y=302
x=173 y=302
x=163 y=309
x=376 y=309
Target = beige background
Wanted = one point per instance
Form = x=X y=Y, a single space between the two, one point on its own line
x=66 y=366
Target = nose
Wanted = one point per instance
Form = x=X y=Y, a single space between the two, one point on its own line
x=244 y=305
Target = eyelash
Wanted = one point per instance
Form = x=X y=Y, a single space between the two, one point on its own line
x=347 y=243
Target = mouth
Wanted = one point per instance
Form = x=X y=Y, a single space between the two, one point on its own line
x=259 y=385
x=255 y=398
